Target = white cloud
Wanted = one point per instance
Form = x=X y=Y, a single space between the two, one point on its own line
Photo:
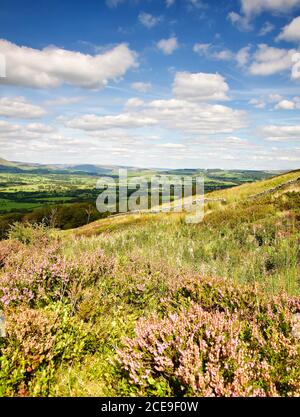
x=134 y=102
x=241 y=22
x=291 y=104
x=201 y=48
x=269 y=60
x=278 y=133
x=19 y=133
x=243 y=55
x=168 y=46
x=141 y=87
x=171 y=145
x=259 y=104
x=225 y=55
x=19 y=108
x=148 y=20
x=275 y=97
x=254 y=7
x=173 y=114
x=211 y=51
x=291 y=32
x=285 y=105
x=52 y=66
x=6 y=127
x=39 y=128
x=125 y=120
x=63 y=101
x=266 y=28
x=296 y=66
x=200 y=86
x=170 y=3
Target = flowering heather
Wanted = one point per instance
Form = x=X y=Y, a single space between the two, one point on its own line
x=37 y=342
x=246 y=349
x=40 y=275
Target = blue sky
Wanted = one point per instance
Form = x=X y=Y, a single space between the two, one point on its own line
x=151 y=83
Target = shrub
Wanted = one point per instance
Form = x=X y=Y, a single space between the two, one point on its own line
x=37 y=342
x=38 y=276
x=29 y=233
x=225 y=342
x=8 y=248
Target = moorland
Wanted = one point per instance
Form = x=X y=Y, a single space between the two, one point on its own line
x=145 y=304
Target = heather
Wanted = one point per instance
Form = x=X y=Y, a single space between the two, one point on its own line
x=149 y=305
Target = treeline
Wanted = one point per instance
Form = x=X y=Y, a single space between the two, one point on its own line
x=66 y=216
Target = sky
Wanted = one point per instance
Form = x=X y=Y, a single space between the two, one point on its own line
x=151 y=83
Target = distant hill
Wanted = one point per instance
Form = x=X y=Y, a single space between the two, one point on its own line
x=94 y=170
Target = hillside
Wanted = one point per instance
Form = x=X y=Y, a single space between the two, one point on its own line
x=145 y=304
x=231 y=196
x=64 y=195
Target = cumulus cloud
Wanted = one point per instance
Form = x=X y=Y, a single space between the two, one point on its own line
x=269 y=60
x=278 y=133
x=15 y=132
x=39 y=128
x=242 y=57
x=191 y=117
x=254 y=7
x=168 y=46
x=148 y=20
x=50 y=67
x=259 y=104
x=241 y=22
x=200 y=86
x=291 y=104
x=125 y=120
x=19 y=108
x=212 y=51
x=291 y=32
x=285 y=105
x=172 y=114
x=134 y=102
x=188 y=112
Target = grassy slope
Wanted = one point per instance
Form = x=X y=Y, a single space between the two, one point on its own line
x=244 y=241
x=232 y=195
